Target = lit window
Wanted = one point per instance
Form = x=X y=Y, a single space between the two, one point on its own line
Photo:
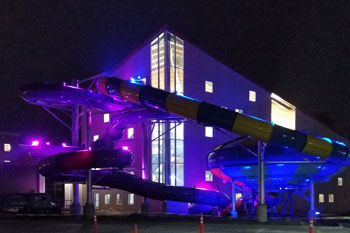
x=209 y=131
x=330 y=198
x=320 y=198
x=282 y=112
x=252 y=96
x=95 y=138
x=340 y=181
x=176 y=64
x=158 y=152
x=209 y=86
x=106 y=117
x=208 y=176
x=118 y=199
x=131 y=133
x=131 y=198
x=173 y=57
x=158 y=62
x=7 y=147
x=238 y=196
x=107 y=199
x=97 y=200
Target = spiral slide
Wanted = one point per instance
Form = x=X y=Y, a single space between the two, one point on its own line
x=73 y=166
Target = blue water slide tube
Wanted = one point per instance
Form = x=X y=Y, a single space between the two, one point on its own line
x=72 y=166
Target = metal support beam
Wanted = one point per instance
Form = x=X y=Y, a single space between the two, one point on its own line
x=261 y=212
x=89 y=208
x=234 y=211
x=75 y=207
x=145 y=204
x=312 y=201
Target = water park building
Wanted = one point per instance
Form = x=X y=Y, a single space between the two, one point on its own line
x=176 y=151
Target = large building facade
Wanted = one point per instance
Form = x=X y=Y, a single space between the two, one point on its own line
x=173 y=151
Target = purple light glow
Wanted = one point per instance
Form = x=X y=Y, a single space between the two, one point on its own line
x=64 y=144
x=35 y=143
x=125 y=148
x=48 y=143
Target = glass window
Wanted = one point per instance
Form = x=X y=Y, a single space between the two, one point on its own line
x=330 y=198
x=179 y=174
x=208 y=176
x=320 y=198
x=118 y=199
x=158 y=62
x=7 y=147
x=97 y=200
x=252 y=96
x=95 y=138
x=106 y=117
x=107 y=199
x=173 y=57
x=176 y=63
x=209 y=131
x=158 y=152
x=282 y=112
x=131 y=198
x=340 y=181
x=209 y=86
x=130 y=133
x=238 y=196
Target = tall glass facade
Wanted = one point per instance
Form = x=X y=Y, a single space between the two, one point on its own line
x=158 y=151
x=176 y=64
x=167 y=65
x=176 y=153
x=158 y=62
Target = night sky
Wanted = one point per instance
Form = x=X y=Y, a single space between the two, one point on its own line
x=298 y=49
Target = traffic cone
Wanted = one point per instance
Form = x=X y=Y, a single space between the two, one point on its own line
x=135 y=228
x=95 y=224
x=201 y=224
x=311 y=225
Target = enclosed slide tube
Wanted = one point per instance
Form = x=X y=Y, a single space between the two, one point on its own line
x=209 y=114
x=72 y=167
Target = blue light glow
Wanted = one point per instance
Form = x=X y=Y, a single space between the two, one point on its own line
x=327 y=139
x=246 y=167
x=317 y=212
x=340 y=143
x=280 y=165
x=132 y=80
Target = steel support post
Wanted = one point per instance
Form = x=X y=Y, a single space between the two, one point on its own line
x=312 y=201
x=261 y=211
x=234 y=211
x=75 y=207
x=145 y=204
x=89 y=208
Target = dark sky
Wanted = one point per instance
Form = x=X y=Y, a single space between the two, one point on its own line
x=297 y=49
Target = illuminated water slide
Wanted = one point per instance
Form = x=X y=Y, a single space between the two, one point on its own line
x=73 y=166
x=209 y=114
x=70 y=167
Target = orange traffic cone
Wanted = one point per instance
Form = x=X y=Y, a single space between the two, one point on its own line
x=311 y=225
x=135 y=228
x=95 y=224
x=201 y=224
